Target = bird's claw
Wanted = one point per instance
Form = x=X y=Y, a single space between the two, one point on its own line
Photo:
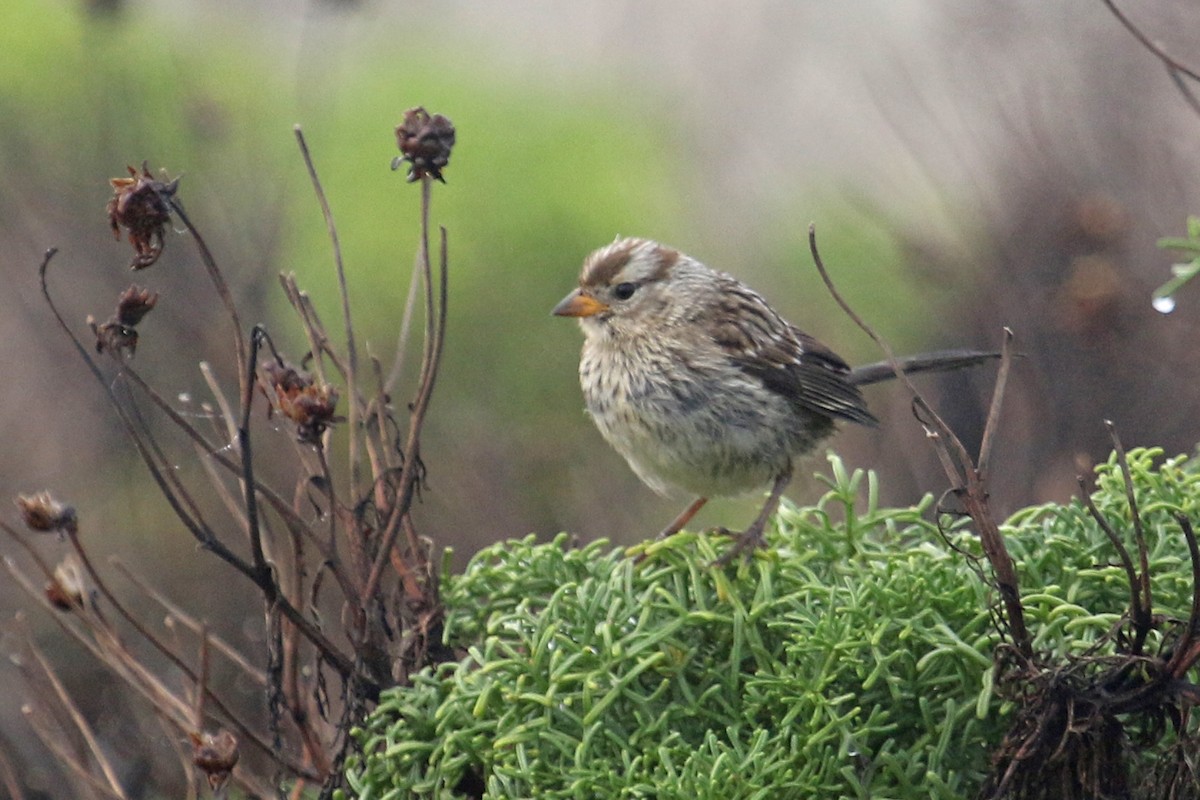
x=745 y=543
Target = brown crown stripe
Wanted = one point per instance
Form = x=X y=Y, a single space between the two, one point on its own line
x=603 y=266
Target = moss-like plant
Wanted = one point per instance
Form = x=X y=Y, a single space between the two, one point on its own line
x=853 y=658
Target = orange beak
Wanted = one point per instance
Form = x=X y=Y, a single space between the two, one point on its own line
x=578 y=304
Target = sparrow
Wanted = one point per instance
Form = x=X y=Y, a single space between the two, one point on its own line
x=703 y=387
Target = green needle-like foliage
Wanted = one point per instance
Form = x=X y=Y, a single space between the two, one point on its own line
x=853 y=658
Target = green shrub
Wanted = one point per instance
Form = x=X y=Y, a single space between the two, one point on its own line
x=850 y=659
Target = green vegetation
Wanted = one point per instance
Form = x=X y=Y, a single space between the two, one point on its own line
x=851 y=659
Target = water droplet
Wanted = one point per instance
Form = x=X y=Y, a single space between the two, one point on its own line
x=1163 y=305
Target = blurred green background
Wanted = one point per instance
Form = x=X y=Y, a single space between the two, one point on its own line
x=967 y=166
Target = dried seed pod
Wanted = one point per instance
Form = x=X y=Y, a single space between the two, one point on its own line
x=134 y=304
x=65 y=589
x=301 y=399
x=141 y=205
x=215 y=754
x=425 y=142
x=41 y=512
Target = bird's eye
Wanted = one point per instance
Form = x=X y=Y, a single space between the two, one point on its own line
x=624 y=291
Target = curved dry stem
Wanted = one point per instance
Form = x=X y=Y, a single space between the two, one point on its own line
x=351 y=346
x=1139 y=613
x=218 y=281
x=434 y=328
x=960 y=469
x=1142 y=622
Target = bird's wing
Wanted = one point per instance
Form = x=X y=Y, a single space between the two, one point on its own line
x=787 y=360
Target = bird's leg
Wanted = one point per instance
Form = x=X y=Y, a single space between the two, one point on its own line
x=684 y=518
x=751 y=539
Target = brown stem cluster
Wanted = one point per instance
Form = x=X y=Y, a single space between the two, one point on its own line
x=341 y=539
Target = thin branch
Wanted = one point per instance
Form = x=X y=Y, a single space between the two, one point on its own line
x=77 y=719
x=218 y=281
x=243 y=436
x=1176 y=69
x=351 y=347
x=1159 y=53
x=1141 y=624
x=198 y=531
x=435 y=327
x=1187 y=650
x=190 y=622
x=8 y=772
x=1189 y=96
x=1137 y=612
x=966 y=477
x=993 y=420
x=410 y=304
x=64 y=757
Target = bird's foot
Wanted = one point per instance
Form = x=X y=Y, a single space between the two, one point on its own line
x=745 y=543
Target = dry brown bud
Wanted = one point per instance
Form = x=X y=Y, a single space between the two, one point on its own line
x=282 y=377
x=215 y=754
x=115 y=338
x=299 y=398
x=41 y=512
x=425 y=142
x=312 y=409
x=65 y=588
x=134 y=304
x=141 y=205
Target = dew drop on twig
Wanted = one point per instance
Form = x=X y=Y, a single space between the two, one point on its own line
x=1163 y=305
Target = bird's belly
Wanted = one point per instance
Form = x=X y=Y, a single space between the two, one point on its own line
x=673 y=437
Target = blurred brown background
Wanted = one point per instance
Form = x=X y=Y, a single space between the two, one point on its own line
x=968 y=167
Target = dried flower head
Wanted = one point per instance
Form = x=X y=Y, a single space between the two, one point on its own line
x=65 y=589
x=425 y=142
x=114 y=337
x=118 y=335
x=134 y=304
x=299 y=398
x=215 y=754
x=141 y=205
x=41 y=512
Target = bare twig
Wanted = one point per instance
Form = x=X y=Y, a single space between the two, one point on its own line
x=1171 y=62
x=218 y=281
x=351 y=347
x=263 y=572
x=434 y=327
x=8 y=772
x=1187 y=650
x=960 y=471
x=190 y=622
x=77 y=719
x=993 y=420
x=261 y=575
x=1137 y=612
x=1176 y=69
x=1141 y=621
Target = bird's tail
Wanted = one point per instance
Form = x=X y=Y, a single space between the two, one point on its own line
x=940 y=361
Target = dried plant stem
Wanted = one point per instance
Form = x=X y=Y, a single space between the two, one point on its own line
x=1187 y=650
x=8 y=772
x=77 y=719
x=66 y=758
x=434 y=331
x=259 y=574
x=1175 y=68
x=190 y=622
x=1171 y=63
x=1141 y=612
x=410 y=305
x=355 y=401
x=967 y=481
x=218 y=281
